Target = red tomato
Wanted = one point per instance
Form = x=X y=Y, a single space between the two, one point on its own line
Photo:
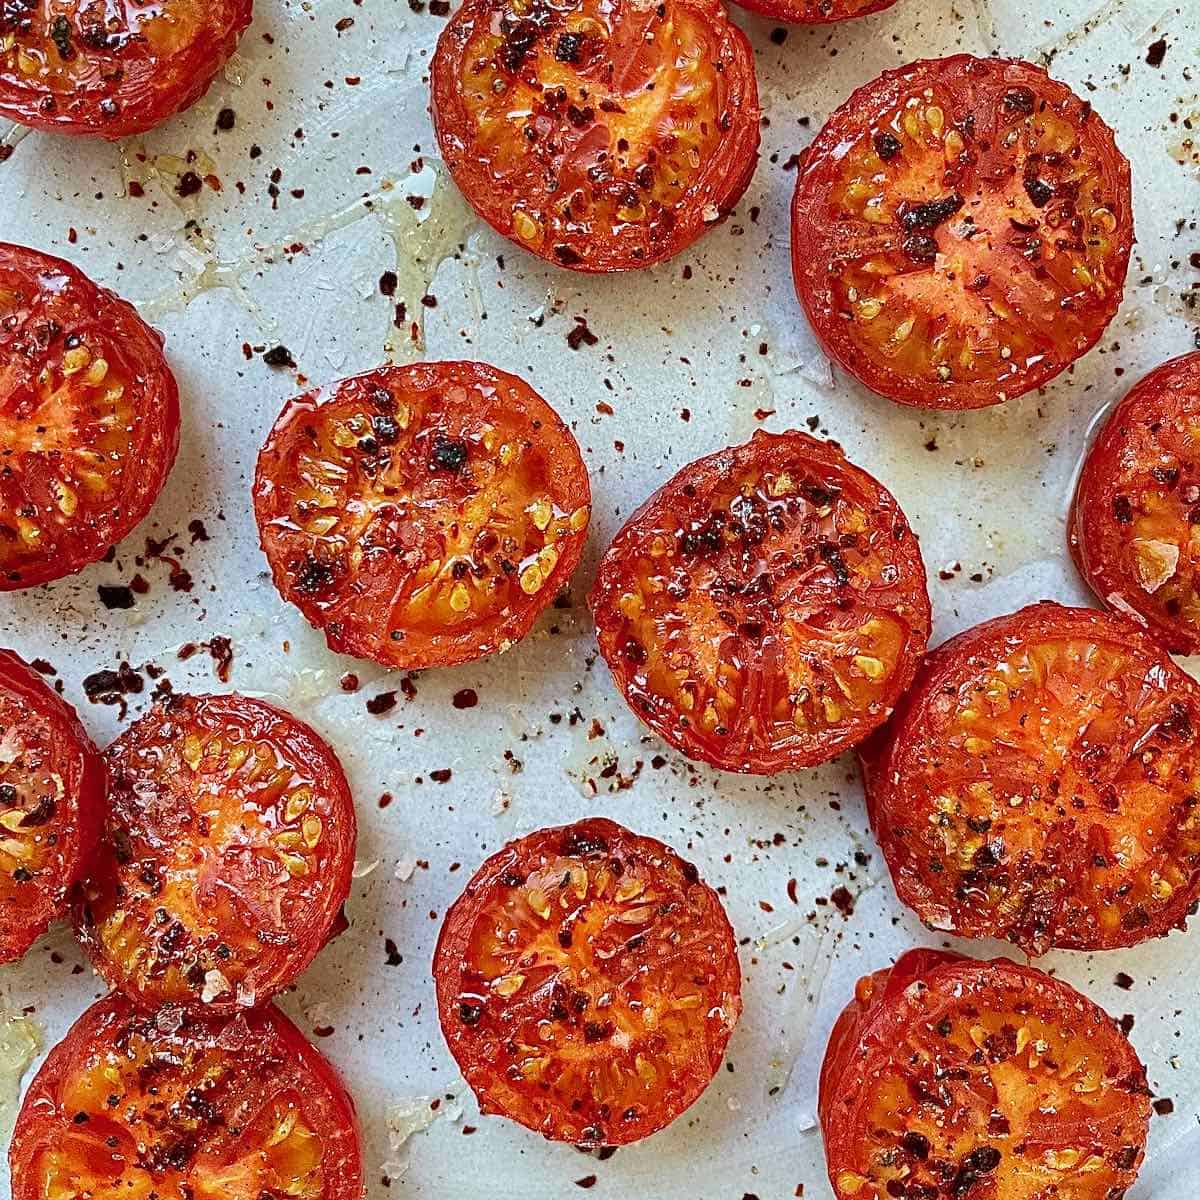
x=1040 y=782
x=423 y=515
x=766 y=608
x=816 y=12
x=960 y=231
x=226 y=857
x=1135 y=524
x=950 y=1077
x=89 y=418
x=600 y=134
x=135 y=1107
x=52 y=784
x=587 y=984
x=76 y=66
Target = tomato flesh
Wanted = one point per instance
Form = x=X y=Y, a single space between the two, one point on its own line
x=111 y=69
x=134 y=1107
x=979 y=1079
x=52 y=783
x=1039 y=783
x=422 y=515
x=764 y=609
x=587 y=984
x=961 y=230
x=89 y=418
x=816 y=12
x=226 y=859
x=1135 y=524
x=600 y=134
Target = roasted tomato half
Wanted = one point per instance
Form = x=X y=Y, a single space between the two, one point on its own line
x=226 y=856
x=112 y=69
x=89 y=418
x=600 y=134
x=1135 y=525
x=765 y=609
x=960 y=231
x=424 y=515
x=1041 y=783
x=816 y=12
x=947 y=1077
x=587 y=984
x=136 y=1107
x=51 y=805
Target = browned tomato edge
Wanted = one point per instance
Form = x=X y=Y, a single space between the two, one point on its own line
x=798 y=12
x=728 y=174
x=1093 y=495
x=699 y=475
x=449 y=954
x=85 y=793
x=312 y=749
x=880 y=755
x=809 y=271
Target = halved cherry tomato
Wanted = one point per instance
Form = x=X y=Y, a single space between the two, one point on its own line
x=423 y=515
x=1040 y=782
x=960 y=231
x=1135 y=523
x=52 y=784
x=815 y=12
x=600 y=135
x=113 y=69
x=226 y=856
x=587 y=984
x=137 y=1107
x=947 y=1077
x=89 y=418
x=766 y=608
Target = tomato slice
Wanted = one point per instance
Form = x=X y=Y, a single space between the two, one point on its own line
x=587 y=984
x=136 y=1107
x=1040 y=783
x=1135 y=523
x=961 y=230
x=52 y=783
x=765 y=608
x=89 y=418
x=815 y=12
x=980 y=1080
x=226 y=857
x=600 y=134
x=112 y=69
x=422 y=515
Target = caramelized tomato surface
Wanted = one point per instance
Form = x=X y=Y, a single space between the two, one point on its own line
x=136 y=1107
x=89 y=418
x=600 y=134
x=587 y=984
x=226 y=856
x=111 y=68
x=984 y=1080
x=1135 y=524
x=816 y=12
x=52 y=784
x=1039 y=783
x=765 y=609
x=424 y=515
x=961 y=230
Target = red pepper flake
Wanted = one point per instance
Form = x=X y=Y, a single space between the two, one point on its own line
x=844 y=901
x=465 y=698
x=382 y=703
x=348 y=682
x=791 y=891
x=581 y=335
x=587 y=1181
x=442 y=775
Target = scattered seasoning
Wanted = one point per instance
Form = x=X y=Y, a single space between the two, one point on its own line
x=189 y=184
x=348 y=682
x=581 y=335
x=384 y=702
x=442 y=775
x=279 y=356
x=1123 y=981
x=1164 y=1107
x=226 y=119
x=587 y=1181
x=115 y=596
x=1156 y=52
x=465 y=698
x=394 y=957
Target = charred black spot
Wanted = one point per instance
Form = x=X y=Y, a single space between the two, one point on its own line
x=1038 y=191
x=578 y=842
x=470 y=1014
x=930 y=215
x=887 y=145
x=569 y=47
x=1019 y=100
x=448 y=454
x=921 y=248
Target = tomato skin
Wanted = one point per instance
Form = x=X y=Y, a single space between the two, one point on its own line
x=590 y=978
x=206 y=1087
x=899 y=1016
x=625 y=222
x=226 y=857
x=813 y=580
x=36 y=720
x=1027 y=749
x=816 y=12
x=129 y=83
x=1136 y=478
x=976 y=247
x=49 y=311
x=387 y=588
